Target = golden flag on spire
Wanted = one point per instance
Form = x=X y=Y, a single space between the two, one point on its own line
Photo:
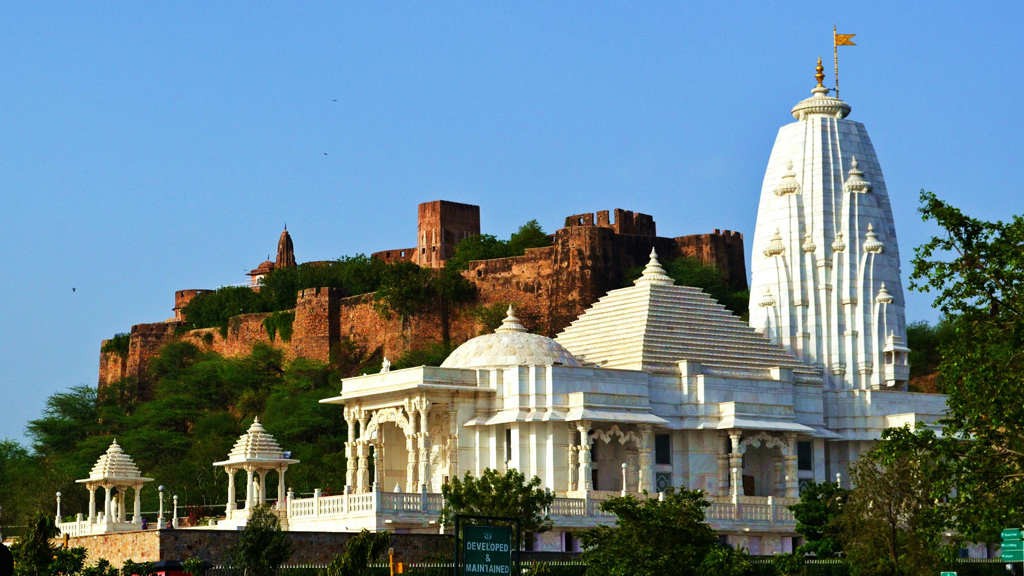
x=844 y=39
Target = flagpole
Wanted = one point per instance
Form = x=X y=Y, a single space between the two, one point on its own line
x=835 y=52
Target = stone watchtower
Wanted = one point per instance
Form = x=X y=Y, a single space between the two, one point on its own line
x=442 y=225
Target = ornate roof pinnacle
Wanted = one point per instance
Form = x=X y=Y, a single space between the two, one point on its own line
x=856 y=182
x=788 y=185
x=820 y=103
x=884 y=297
x=775 y=245
x=767 y=299
x=838 y=245
x=653 y=272
x=871 y=242
x=510 y=323
x=809 y=243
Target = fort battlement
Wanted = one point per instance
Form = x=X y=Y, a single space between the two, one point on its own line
x=550 y=287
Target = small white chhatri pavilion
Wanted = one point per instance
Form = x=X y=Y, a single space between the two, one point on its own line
x=258 y=453
x=114 y=471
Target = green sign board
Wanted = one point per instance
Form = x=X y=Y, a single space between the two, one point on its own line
x=1012 y=534
x=486 y=550
x=1013 y=555
x=1012 y=545
x=947 y=573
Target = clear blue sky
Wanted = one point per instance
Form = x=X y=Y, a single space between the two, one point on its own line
x=153 y=146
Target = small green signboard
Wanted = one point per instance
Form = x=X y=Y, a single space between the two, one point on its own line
x=1013 y=555
x=486 y=549
x=947 y=573
x=1013 y=545
x=1012 y=534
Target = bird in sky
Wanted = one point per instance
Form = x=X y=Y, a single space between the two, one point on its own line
x=325 y=153
x=333 y=100
x=72 y=288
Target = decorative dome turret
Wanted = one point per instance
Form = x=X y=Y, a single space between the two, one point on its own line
x=838 y=245
x=871 y=243
x=856 y=182
x=258 y=453
x=788 y=185
x=512 y=345
x=775 y=245
x=114 y=470
x=821 y=104
x=767 y=299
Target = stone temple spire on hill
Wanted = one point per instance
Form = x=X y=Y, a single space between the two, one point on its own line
x=825 y=249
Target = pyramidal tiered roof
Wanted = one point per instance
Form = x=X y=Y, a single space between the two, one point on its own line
x=114 y=464
x=655 y=324
x=256 y=444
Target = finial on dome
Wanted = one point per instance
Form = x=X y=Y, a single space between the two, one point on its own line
x=809 y=243
x=767 y=299
x=511 y=323
x=856 y=181
x=653 y=272
x=821 y=73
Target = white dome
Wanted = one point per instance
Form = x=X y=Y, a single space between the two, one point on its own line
x=256 y=444
x=510 y=345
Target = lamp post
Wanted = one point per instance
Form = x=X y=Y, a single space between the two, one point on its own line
x=624 y=466
x=58 y=508
x=174 y=516
x=160 y=517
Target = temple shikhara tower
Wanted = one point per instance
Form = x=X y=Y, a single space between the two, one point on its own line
x=825 y=264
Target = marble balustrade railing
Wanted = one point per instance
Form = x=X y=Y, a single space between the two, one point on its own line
x=751 y=509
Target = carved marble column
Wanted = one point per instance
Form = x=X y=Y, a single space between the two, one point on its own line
x=573 y=464
x=723 y=464
x=350 y=449
x=586 y=482
x=231 y=489
x=424 y=439
x=736 y=462
x=792 y=482
x=362 y=452
x=410 y=470
x=453 y=443
x=646 y=461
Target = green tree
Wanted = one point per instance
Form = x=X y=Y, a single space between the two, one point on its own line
x=892 y=526
x=507 y=495
x=818 y=516
x=34 y=553
x=488 y=247
x=975 y=269
x=360 y=550
x=262 y=546
x=654 y=537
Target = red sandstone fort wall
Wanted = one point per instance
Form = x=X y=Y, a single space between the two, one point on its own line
x=550 y=287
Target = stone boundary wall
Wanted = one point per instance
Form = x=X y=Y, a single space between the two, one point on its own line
x=213 y=545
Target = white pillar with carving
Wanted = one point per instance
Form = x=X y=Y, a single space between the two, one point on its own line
x=736 y=463
x=231 y=490
x=350 y=449
x=586 y=482
x=646 y=461
x=424 y=440
x=792 y=482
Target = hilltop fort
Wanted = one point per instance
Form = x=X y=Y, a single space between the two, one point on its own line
x=550 y=287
